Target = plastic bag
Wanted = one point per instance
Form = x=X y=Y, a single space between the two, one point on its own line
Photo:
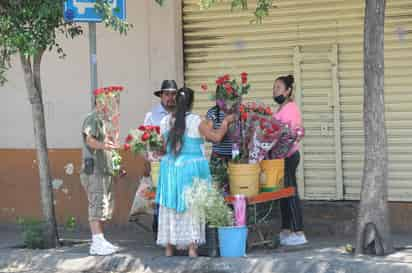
x=141 y=204
x=240 y=210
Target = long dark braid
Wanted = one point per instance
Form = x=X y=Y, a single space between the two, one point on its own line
x=184 y=103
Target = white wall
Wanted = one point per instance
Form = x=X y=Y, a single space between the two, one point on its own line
x=151 y=52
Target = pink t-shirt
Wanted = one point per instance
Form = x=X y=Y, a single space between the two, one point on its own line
x=290 y=114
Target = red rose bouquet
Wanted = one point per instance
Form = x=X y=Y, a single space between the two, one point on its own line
x=287 y=139
x=109 y=99
x=145 y=140
x=253 y=118
x=228 y=97
x=263 y=135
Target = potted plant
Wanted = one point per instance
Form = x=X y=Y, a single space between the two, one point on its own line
x=254 y=141
x=207 y=203
x=268 y=138
x=263 y=132
x=255 y=133
x=243 y=177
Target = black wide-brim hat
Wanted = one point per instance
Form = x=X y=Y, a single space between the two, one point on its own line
x=167 y=86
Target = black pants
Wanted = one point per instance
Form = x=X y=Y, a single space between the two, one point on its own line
x=155 y=223
x=290 y=208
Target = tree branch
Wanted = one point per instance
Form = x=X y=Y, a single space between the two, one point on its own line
x=34 y=96
x=36 y=70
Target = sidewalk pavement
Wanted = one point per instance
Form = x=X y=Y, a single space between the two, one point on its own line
x=139 y=254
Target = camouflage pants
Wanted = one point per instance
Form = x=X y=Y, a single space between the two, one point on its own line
x=99 y=189
x=218 y=168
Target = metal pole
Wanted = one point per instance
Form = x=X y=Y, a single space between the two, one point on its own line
x=93 y=60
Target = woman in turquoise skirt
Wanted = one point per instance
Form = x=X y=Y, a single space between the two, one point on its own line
x=184 y=134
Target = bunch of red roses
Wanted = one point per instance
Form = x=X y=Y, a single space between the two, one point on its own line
x=107 y=90
x=254 y=118
x=254 y=110
x=287 y=138
x=229 y=92
x=108 y=98
x=265 y=135
x=145 y=140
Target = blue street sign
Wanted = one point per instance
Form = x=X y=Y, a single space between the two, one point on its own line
x=84 y=11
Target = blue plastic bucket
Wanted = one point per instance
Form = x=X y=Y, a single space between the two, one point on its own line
x=232 y=241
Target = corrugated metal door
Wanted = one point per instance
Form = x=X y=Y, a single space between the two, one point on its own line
x=398 y=82
x=217 y=41
x=398 y=90
x=316 y=73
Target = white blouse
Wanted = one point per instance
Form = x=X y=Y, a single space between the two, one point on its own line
x=192 y=125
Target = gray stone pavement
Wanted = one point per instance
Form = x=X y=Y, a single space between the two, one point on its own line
x=139 y=254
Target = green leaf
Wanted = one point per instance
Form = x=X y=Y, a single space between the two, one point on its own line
x=160 y=2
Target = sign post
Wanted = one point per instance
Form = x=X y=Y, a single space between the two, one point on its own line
x=85 y=11
x=92 y=60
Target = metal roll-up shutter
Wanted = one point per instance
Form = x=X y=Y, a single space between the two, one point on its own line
x=217 y=41
x=398 y=82
x=316 y=72
x=398 y=99
x=321 y=42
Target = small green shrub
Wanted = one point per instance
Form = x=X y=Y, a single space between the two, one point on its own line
x=32 y=233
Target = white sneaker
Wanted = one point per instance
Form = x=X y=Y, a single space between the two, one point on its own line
x=101 y=249
x=283 y=236
x=295 y=240
x=110 y=245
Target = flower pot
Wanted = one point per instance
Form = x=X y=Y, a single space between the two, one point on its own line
x=244 y=179
x=271 y=177
x=232 y=241
x=155 y=167
x=211 y=248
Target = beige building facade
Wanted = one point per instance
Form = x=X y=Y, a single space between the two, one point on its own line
x=152 y=51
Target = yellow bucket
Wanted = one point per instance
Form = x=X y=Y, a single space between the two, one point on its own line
x=244 y=179
x=271 y=177
x=154 y=167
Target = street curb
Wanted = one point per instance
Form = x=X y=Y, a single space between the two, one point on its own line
x=70 y=260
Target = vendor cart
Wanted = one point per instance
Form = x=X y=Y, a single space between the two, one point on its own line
x=260 y=210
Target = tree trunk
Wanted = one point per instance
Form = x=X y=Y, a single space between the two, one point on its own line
x=32 y=80
x=373 y=230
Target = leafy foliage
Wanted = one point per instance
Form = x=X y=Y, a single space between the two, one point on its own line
x=32 y=233
x=71 y=223
x=105 y=10
x=206 y=202
x=262 y=6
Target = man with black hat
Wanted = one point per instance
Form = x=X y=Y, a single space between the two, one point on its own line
x=167 y=95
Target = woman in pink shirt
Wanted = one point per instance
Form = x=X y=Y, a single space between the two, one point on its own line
x=291 y=211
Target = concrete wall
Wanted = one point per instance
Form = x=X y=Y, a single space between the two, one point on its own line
x=151 y=52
